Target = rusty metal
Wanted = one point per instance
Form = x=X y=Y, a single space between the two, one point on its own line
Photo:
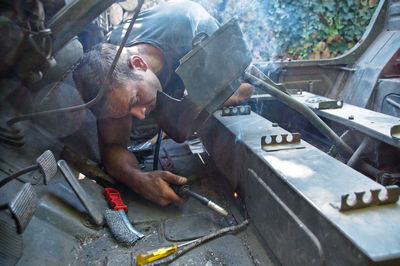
x=236 y=110
x=281 y=142
x=391 y=197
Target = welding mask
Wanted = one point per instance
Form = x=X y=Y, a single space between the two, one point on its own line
x=209 y=72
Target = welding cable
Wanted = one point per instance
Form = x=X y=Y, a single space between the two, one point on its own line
x=17 y=174
x=195 y=243
x=102 y=89
x=304 y=110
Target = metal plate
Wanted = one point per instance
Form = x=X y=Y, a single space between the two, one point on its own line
x=189 y=227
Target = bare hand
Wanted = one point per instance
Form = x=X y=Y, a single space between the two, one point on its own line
x=154 y=186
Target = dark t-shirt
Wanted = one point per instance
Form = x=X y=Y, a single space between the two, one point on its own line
x=171 y=27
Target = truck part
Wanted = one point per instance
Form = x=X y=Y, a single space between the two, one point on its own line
x=93 y=212
x=303 y=109
x=46 y=163
x=23 y=205
x=236 y=110
x=306 y=181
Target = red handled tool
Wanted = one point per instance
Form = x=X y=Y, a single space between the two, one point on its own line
x=118 y=221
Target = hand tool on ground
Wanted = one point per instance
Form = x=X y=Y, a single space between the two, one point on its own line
x=45 y=163
x=118 y=221
x=156 y=254
x=150 y=256
x=184 y=191
x=93 y=212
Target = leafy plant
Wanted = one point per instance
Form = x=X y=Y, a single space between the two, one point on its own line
x=297 y=29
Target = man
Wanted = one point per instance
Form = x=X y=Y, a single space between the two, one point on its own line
x=160 y=37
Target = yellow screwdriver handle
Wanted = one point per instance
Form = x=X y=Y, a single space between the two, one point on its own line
x=149 y=256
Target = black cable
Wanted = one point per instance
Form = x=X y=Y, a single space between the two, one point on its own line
x=157 y=150
x=17 y=174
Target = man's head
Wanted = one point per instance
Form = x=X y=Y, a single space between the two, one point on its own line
x=131 y=89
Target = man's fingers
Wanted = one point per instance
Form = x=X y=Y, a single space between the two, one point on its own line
x=174 y=179
x=175 y=198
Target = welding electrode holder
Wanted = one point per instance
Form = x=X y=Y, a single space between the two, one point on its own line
x=184 y=192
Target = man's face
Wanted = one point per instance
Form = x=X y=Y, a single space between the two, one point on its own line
x=137 y=98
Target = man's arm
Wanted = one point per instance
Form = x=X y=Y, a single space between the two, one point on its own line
x=122 y=164
x=243 y=93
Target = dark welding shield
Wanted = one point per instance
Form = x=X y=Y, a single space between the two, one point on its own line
x=209 y=72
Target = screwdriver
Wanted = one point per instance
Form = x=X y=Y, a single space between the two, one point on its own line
x=156 y=254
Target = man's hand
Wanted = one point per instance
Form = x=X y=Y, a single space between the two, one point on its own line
x=154 y=186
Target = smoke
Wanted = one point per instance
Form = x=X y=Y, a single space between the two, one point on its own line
x=269 y=26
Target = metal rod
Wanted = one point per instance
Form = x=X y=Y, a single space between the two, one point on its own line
x=304 y=110
x=210 y=204
x=356 y=155
x=102 y=89
x=86 y=201
x=157 y=150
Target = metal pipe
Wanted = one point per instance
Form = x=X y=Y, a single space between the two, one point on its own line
x=303 y=109
x=356 y=155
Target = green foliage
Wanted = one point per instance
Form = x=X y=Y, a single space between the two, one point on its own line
x=297 y=29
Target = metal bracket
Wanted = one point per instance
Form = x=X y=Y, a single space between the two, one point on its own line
x=322 y=104
x=295 y=91
x=281 y=142
x=392 y=196
x=236 y=110
x=395 y=132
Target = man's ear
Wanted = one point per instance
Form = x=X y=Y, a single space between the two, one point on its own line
x=137 y=63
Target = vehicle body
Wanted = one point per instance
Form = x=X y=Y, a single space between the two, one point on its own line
x=292 y=192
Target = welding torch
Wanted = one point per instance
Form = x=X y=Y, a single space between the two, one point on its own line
x=184 y=192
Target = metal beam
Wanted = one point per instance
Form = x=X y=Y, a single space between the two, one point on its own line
x=309 y=183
